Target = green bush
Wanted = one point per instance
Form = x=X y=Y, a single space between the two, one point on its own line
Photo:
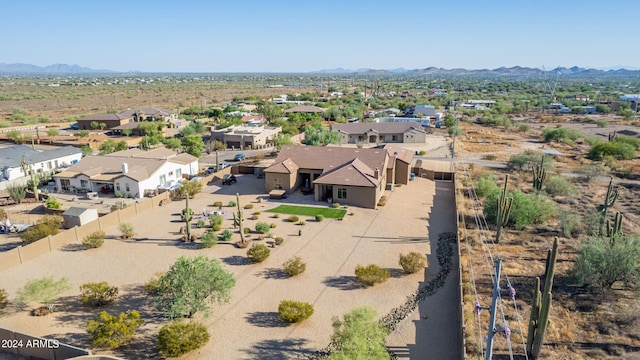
x=216 y=227
x=276 y=216
x=94 y=240
x=635 y=142
x=335 y=205
x=246 y=230
x=486 y=184
x=209 y=239
x=217 y=204
x=294 y=266
x=602 y=262
x=200 y=224
x=262 y=228
x=215 y=220
x=302 y=223
x=110 y=331
x=126 y=231
x=570 y=223
x=258 y=253
x=412 y=262
x=558 y=185
x=319 y=218
x=151 y=286
x=293 y=218
x=17 y=192
x=560 y=134
x=279 y=240
x=227 y=235
x=294 y=311
x=52 y=203
x=359 y=336
x=98 y=294
x=248 y=206
x=526 y=209
x=273 y=225
x=231 y=203
x=4 y=299
x=602 y=123
x=180 y=337
x=524 y=160
x=523 y=127
x=590 y=171
x=617 y=149
x=371 y=274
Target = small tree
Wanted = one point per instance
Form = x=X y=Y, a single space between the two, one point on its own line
x=294 y=311
x=190 y=188
x=98 y=294
x=110 y=331
x=52 y=203
x=371 y=274
x=294 y=266
x=45 y=290
x=126 y=230
x=359 y=336
x=17 y=192
x=412 y=262
x=94 y=240
x=258 y=253
x=209 y=239
x=180 y=337
x=192 y=282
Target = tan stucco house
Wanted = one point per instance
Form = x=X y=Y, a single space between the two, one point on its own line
x=242 y=136
x=335 y=174
x=385 y=132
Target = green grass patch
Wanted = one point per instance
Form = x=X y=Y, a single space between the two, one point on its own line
x=309 y=211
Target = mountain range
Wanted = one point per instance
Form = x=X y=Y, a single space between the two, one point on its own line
x=515 y=71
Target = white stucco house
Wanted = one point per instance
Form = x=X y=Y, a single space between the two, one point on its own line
x=130 y=173
x=41 y=161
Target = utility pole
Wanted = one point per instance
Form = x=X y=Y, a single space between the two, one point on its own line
x=492 y=311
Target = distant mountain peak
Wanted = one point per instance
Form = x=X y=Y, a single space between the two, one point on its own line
x=49 y=69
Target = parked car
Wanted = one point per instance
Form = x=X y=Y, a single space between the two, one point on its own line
x=223 y=166
x=229 y=179
x=211 y=169
x=239 y=157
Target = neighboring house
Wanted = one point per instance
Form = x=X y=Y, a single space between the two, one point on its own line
x=151 y=114
x=78 y=216
x=630 y=97
x=50 y=160
x=252 y=120
x=384 y=132
x=241 y=137
x=110 y=120
x=308 y=109
x=131 y=172
x=344 y=175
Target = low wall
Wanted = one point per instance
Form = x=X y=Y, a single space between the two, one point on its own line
x=463 y=335
x=21 y=254
x=34 y=347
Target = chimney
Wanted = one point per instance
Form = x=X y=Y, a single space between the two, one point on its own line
x=376 y=173
x=125 y=168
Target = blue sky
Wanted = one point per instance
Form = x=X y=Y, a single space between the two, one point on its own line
x=298 y=36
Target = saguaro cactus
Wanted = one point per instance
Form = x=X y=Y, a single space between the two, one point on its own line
x=539 y=175
x=614 y=230
x=503 y=210
x=613 y=136
x=238 y=218
x=27 y=168
x=609 y=200
x=187 y=217
x=539 y=319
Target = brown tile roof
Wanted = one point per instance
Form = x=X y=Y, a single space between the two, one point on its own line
x=383 y=128
x=103 y=117
x=305 y=109
x=353 y=173
x=287 y=166
x=403 y=154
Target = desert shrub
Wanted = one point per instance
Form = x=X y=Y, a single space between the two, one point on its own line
x=489 y=157
x=524 y=160
x=602 y=123
x=110 y=331
x=151 y=286
x=523 y=127
x=126 y=231
x=248 y=206
x=231 y=203
x=256 y=213
x=209 y=239
x=94 y=240
x=560 y=134
x=319 y=218
x=52 y=203
x=278 y=240
x=17 y=192
x=226 y=235
x=371 y=274
x=633 y=141
x=215 y=220
x=216 y=227
x=262 y=228
x=276 y=216
x=601 y=262
x=98 y=294
x=217 y=204
x=254 y=217
x=382 y=201
x=180 y=337
x=258 y=253
x=558 y=185
x=617 y=149
x=294 y=266
x=526 y=209
x=246 y=230
x=486 y=184
x=589 y=171
x=200 y=224
x=570 y=223
x=412 y=262
x=293 y=218
x=44 y=290
x=302 y=223
x=294 y=311
x=422 y=152
x=359 y=336
x=47 y=225
x=591 y=221
x=4 y=299
x=335 y=205
x=273 y=225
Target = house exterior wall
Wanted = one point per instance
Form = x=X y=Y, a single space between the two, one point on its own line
x=120 y=186
x=413 y=136
x=286 y=181
x=86 y=124
x=42 y=166
x=403 y=171
x=366 y=197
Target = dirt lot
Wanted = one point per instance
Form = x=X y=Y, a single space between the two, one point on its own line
x=248 y=327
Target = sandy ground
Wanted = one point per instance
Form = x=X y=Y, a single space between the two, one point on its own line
x=248 y=327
